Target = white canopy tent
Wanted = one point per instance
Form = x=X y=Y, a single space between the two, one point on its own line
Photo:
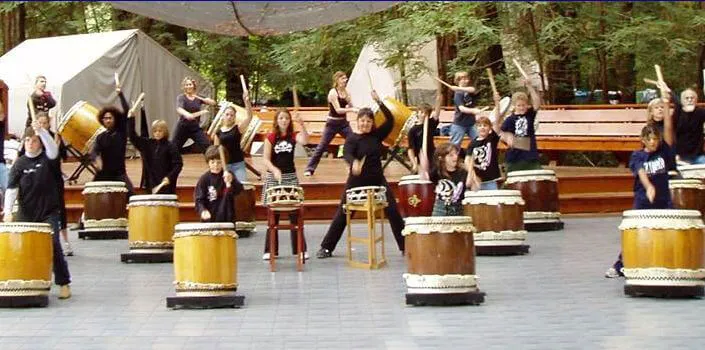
x=82 y=67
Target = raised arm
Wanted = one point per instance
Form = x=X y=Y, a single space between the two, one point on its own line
x=302 y=136
x=497 y=126
x=668 y=128
x=535 y=98
x=140 y=142
x=50 y=147
x=383 y=130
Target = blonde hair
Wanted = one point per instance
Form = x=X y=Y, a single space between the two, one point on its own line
x=187 y=79
x=161 y=124
x=460 y=75
x=337 y=76
x=520 y=96
x=650 y=109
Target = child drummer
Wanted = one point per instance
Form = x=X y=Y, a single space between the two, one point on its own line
x=415 y=135
x=650 y=167
x=519 y=131
x=482 y=157
x=215 y=190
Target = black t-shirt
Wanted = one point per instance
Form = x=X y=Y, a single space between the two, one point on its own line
x=231 y=141
x=689 y=131
x=485 y=157
x=462 y=98
x=111 y=145
x=191 y=106
x=211 y=194
x=450 y=189
x=416 y=138
x=656 y=166
x=522 y=125
x=38 y=194
x=368 y=145
x=283 y=152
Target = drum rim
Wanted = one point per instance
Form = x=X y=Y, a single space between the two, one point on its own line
x=414 y=181
x=360 y=188
x=40 y=225
x=660 y=213
x=691 y=167
x=67 y=116
x=489 y=193
x=522 y=173
x=153 y=197
x=192 y=226
x=410 y=177
x=690 y=180
x=105 y=184
x=434 y=220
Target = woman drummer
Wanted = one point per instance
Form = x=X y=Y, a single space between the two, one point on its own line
x=363 y=151
x=279 y=147
x=339 y=103
x=188 y=105
x=230 y=135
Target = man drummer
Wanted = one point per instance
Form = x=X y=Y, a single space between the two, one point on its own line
x=689 y=121
x=41 y=99
x=33 y=183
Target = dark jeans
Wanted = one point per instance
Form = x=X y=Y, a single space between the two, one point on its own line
x=292 y=218
x=61 y=268
x=333 y=127
x=335 y=231
x=189 y=130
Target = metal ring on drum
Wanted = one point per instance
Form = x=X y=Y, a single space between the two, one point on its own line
x=663 y=252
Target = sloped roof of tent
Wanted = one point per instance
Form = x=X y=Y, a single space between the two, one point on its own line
x=241 y=18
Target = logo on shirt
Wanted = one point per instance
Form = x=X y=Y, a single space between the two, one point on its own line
x=521 y=127
x=283 y=147
x=656 y=166
x=212 y=194
x=449 y=192
x=482 y=156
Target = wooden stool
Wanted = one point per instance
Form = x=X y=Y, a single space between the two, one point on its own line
x=371 y=208
x=273 y=229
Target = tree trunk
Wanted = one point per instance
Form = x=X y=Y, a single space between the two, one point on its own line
x=402 y=82
x=237 y=65
x=445 y=51
x=625 y=67
x=602 y=56
x=21 y=23
x=539 y=55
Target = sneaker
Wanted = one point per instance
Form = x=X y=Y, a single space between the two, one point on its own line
x=67 y=249
x=308 y=173
x=64 y=292
x=306 y=257
x=324 y=253
x=265 y=256
x=612 y=273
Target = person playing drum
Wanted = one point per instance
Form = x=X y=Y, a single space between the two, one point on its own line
x=339 y=103
x=416 y=132
x=230 y=135
x=215 y=190
x=689 y=121
x=363 y=151
x=650 y=167
x=655 y=113
x=464 y=98
x=519 y=131
x=279 y=147
x=449 y=177
x=41 y=99
x=188 y=105
x=111 y=145
x=33 y=183
x=482 y=156
x=161 y=161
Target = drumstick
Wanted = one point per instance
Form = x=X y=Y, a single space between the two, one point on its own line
x=424 y=143
x=369 y=79
x=659 y=75
x=296 y=98
x=521 y=70
x=223 y=162
x=117 y=80
x=32 y=113
x=159 y=187
x=244 y=84
x=136 y=104
x=651 y=81
x=492 y=83
x=443 y=82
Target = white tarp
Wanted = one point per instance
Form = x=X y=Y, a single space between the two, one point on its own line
x=386 y=80
x=242 y=18
x=82 y=67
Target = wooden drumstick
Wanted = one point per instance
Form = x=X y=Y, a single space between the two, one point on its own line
x=223 y=162
x=369 y=79
x=651 y=81
x=136 y=104
x=443 y=82
x=159 y=187
x=424 y=142
x=117 y=80
x=243 y=83
x=32 y=113
x=521 y=70
x=492 y=83
x=296 y=98
x=659 y=75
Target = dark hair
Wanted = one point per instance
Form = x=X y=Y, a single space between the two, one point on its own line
x=29 y=132
x=275 y=124
x=483 y=120
x=213 y=153
x=425 y=108
x=441 y=152
x=41 y=115
x=117 y=114
x=649 y=130
x=367 y=113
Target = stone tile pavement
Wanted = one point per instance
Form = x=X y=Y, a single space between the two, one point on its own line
x=553 y=298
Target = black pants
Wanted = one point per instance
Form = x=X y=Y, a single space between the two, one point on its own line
x=335 y=231
x=189 y=130
x=292 y=219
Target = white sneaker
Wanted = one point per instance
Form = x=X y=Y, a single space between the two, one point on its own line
x=307 y=173
x=265 y=256
x=612 y=273
x=67 y=249
x=306 y=256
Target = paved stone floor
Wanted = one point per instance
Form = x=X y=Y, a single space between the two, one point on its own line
x=553 y=298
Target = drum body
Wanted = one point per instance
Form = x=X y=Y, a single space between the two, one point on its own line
x=284 y=196
x=151 y=222
x=80 y=127
x=26 y=255
x=205 y=259
x=663 y=252
x=695 y=171
x=440 y=255
x=401 y=114
x=539 y=189
x=688 y=194
x=105 y=206
x=498 y=217
x=245 y=208
x=359 y=195
x=416 y=196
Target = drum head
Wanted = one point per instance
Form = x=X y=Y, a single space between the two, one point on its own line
x=505 y=105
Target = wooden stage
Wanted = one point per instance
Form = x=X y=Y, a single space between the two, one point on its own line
x=582 y=189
